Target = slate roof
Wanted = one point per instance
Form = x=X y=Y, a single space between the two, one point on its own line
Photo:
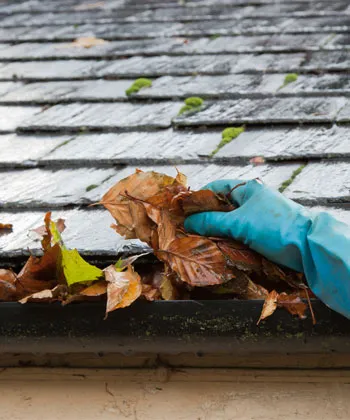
x=68 y=131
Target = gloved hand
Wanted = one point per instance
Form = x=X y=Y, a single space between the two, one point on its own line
x=287 y=233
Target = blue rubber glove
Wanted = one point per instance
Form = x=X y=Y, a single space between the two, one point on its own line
x=287 y=233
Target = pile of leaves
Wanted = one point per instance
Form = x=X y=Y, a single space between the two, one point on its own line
x=152 y=207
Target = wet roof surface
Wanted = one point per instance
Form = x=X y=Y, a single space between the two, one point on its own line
x=68 y=131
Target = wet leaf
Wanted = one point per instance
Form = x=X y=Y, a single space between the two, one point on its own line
x=123 y=287
x=292 y=303
x=84 y=42
x=5 y=228
x=190 y=202
x=47 y=295
x=167 y=289
x=8 y=291
x=8 y=275
x=240 y=256
x=121 y=198
x=39 y=273
x=150 y=293
x=76 y=269
x=198 y=261
x=270 y=305
x=89 y=6
x=97 y=289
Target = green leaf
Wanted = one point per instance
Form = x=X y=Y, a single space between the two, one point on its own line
x=76 y=269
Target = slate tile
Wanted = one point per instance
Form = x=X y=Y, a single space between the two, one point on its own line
x=328 y=60
x=344 y=114
x=33 y=188
x=113 y=49
x=50 y=70
x=326 y=85
x=26 y=149
x=341 y=41
x=200 y=174
x=12 y=116
x=103 y=116
x=167 y=65
x=264 y=111
x=322 y=183
x=6 y=87
x=144 y=147
x=286 y=42
x=270 y=63
x=53 y=92
x=88 y=231
x=192 y=13
x=309 y=9
x=209 y=86
x=289 y=143
x=318 y=24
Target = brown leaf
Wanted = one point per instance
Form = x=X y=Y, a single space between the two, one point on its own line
x=138 y=186
x=97 y=289
x=255 y=291
x=5 y=228
x=150 y=293
x=270 y=305
x=39 y=273
x=123 y=287
x=240 y=256
x=47 y=295
x=8 y=275
x=89 y=6
x=198 y=261
x=8 y=290
x=190 y=202
x=84 y=42
x=292 y=303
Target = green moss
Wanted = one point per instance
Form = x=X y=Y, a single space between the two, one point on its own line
x=289 y=78
x=228 y=135
x=215 y=36
x=91 y=187
x=193 y=103
x=291 y=179
x=137 y=85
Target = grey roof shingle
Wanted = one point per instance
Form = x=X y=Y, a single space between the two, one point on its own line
x=68 y=131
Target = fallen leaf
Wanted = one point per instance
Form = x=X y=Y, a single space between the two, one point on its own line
x=198 y=261
x=7 y=275
x=292 y=303
x=150 y=293
x=76 y=269
x=84 y=42
x=255 y=291
x=189 y=202
x=39 y=273
x=270 y=305
x=97 y=289
x=47 y=295
x=8 y=290
x=89 y=6
x=6 y=226
x=258 y=160
x=123 y=287
x=240 y=256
